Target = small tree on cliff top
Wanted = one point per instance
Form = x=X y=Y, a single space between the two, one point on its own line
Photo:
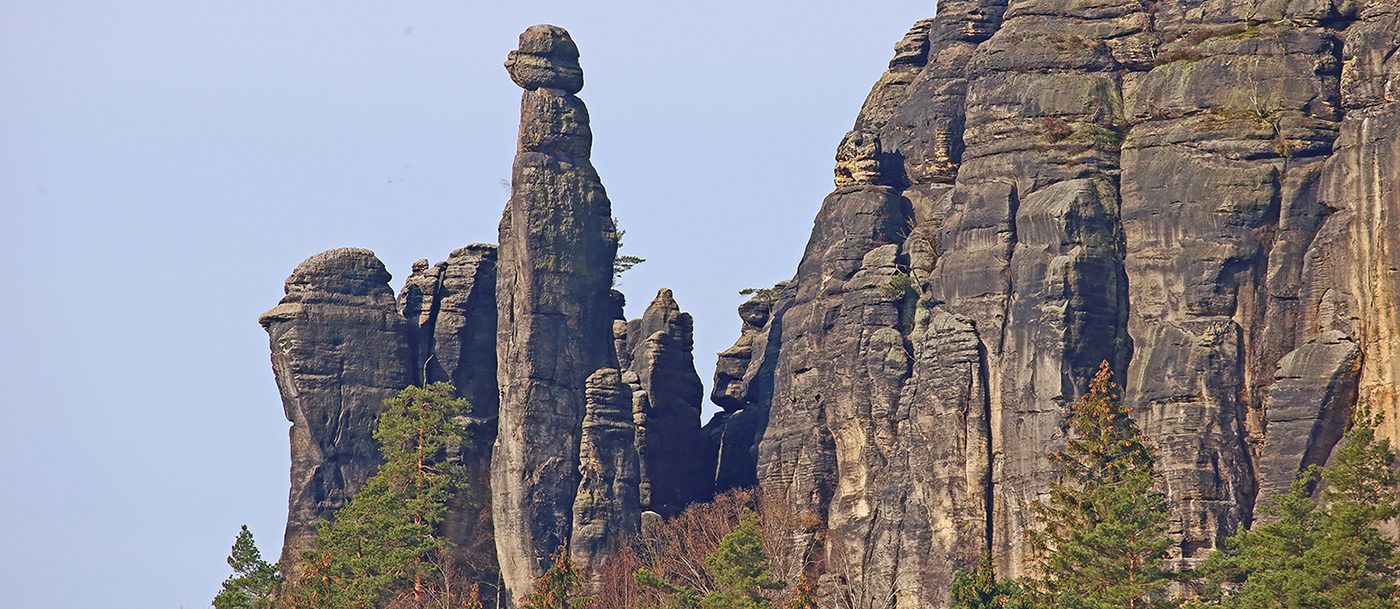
x=384 y=544
x=1103 y=542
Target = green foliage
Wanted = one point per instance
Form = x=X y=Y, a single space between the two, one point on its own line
x=384 y=543
x=759 y=292
x=803 y=597
x=1310 y=556
x=738 y=569
x=980 y=589
x=899 y=285
x=1104 y=540
x=560 y=587
x=254 y=582
x=622 y=264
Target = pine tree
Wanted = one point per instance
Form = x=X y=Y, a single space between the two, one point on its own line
x=803 y=597
x=1268 y=565
x=738 y=571
x=980 y=589
x=1310 y=556
x=561 y=586
x=383 y=542
x=254 y=582
x=1103 y=543
x=1360 y=494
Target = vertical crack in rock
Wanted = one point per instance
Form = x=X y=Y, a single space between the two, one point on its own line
x=1244 y=100
x=339 y=349
x=450 y=308
x=743 y=387
x=555 y=307
x=1309 y=405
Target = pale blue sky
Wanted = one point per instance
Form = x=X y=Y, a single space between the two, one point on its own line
x=165 y=165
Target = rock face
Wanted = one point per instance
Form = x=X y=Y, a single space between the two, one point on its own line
x=666 y=407
x=1199 y=193
x=450 y=308
x=1190 y=191
x=607 y=508
x=743 y=387
x=555 y=308
x=341 y=345
x=580 y=420
x=339 y=349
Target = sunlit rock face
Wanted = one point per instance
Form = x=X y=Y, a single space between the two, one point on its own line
x=1194 y=192
x=1200 y=194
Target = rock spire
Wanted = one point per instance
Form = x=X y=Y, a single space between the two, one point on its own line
x=555 y=308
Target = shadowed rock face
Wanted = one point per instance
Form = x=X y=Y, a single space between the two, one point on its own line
x=667 y=407
x=339 y=349
x=555 y=309
x=450 y=308
x=1190 y=191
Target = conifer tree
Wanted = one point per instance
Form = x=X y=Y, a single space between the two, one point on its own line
x=383 y=542
x=980 y=589
x=1310 y=556
x=254 y=582
x=1103 y=543
x=738 y=570
x=561 y=586
x=803 y=597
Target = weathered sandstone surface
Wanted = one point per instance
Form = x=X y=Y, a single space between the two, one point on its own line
x=1194 y=192
x=1200 y=193
x=555 y=308
x=339 y=349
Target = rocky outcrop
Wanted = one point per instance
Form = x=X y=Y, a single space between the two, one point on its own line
x=1306 y=417
x=667 y=407
x=450 y=308
x=1189 y=191
x=339 y=349
x=1199 y=194
x=743 y=387
x=1350 y=276
x=608 y=507
x=555 y=308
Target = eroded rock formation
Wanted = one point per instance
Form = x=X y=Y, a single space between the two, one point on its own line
x=1199 y=193
x=608 y=506
x=450 y=308
x=667 y=407
x=339 y=349
x=555 y=308
x=1190 y=191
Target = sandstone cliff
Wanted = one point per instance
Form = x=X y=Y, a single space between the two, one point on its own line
x=339 y=349
x=1191 y=191
x=1197 y=192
